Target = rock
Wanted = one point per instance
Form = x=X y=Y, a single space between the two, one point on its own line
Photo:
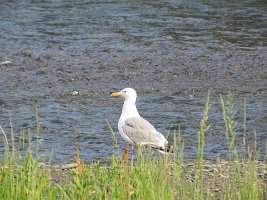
x=75 y=92
x=215 y=170
x=223 y=176
x=69 y=166
x=7 y=62
x=41 y=164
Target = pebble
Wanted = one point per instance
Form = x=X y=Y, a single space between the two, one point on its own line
x=216 y=170
x=75 y=92
x=69 y=166
x=7 y=62
x=41 y=164
x=223 y=176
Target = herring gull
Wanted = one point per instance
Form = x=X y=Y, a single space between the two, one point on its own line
x=134 y=129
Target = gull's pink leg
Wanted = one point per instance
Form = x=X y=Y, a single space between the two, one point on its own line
x=125 y=153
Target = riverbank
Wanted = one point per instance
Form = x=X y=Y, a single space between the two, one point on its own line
x=146 y=177
x=63 y=174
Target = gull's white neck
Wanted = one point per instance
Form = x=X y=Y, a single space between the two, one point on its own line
x=129 y=109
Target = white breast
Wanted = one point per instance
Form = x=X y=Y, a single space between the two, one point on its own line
x=123 y=135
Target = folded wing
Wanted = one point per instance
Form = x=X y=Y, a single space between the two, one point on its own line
x=141 y=132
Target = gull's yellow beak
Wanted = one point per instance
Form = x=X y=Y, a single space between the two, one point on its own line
x=115 y=94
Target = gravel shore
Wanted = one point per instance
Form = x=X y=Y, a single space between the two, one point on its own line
x=214 y=173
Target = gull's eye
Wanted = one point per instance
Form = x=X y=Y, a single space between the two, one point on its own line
x=124 y=91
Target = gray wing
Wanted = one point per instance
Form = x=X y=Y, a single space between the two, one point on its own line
x=141 y=132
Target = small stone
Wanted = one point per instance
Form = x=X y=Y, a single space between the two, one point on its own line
x=69 y=166
x=211 y=175
x=75 y=92
x=56 y=166
x=41 y=164
x=223 y=176
x=7 y=62
x=216 y=170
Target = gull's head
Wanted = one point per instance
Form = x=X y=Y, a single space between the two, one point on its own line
x=126 y=93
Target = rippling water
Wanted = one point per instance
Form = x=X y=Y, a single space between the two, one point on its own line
x=171 y=52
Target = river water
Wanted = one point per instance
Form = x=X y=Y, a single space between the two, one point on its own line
x=68 y=56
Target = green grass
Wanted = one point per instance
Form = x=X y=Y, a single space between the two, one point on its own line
x=147 y=176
